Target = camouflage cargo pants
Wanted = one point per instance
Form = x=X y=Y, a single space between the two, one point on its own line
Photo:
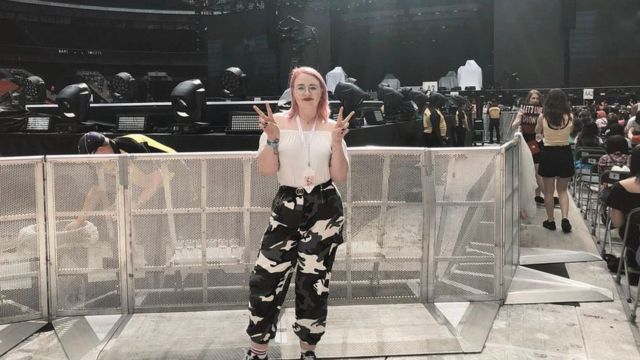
x=303 y=234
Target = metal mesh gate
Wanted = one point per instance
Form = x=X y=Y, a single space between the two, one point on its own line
x=87 y=258
x=23 y=291
x=159 y=232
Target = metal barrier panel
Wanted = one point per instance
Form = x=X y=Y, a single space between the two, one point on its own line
x=464 y=221
x=195 y=238
x=506 y=131
x=23 y=292
x=382 y=257
x=511 y=232
x=85 y=260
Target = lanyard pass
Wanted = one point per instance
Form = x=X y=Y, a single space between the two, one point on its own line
x=309 y=176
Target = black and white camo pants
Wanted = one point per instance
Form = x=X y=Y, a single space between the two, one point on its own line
x=303 y=235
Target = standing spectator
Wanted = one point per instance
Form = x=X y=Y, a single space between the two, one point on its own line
x=527 y=119
x=494 y=121
x=307 y=152
x=556 y=161
x=462 y=125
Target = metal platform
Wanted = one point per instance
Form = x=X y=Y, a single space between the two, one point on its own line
x=354 y=331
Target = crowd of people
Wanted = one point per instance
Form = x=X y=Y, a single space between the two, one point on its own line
x=557 y=133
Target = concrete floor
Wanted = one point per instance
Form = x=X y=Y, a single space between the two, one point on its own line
x=549 y=331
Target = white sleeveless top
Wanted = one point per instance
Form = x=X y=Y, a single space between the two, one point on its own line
x=292 y=156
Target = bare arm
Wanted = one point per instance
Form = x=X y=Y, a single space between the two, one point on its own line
x=150 y=184
x=539 y=128
x=339 y=167
x=339 y=164
x=617 y=218
x=517 y=120
x=90 y=203
x=268 y=161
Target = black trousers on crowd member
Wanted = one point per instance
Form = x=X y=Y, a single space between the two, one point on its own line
x=461 y=136
x=303 y=235
x=494 y=124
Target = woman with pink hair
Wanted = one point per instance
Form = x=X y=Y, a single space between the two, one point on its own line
x=307 y=152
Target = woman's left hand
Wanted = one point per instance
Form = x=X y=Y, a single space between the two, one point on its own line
x=341 y=127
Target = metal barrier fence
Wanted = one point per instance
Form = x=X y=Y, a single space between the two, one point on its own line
x=23 y=287
x=181 y=231
x=506 y=131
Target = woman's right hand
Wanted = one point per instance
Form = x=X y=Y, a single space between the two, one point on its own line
x=268 y=123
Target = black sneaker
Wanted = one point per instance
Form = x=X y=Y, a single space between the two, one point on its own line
x=551 y=225
x=556 y=201
x=251 y=356
x=566 y=226
x=309 y=355
x=539 y=200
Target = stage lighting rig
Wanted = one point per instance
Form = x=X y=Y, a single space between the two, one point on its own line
x=233 y=82
x=73 y=102
x=418 y=97
x=73 y=108
x=123 y=87
x=35 y=90
x=188 y=103
x=392 y=100
x=351 y=97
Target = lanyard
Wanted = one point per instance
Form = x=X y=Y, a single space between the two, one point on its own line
x=307 y=145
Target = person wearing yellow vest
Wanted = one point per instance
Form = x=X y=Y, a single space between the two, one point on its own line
x=494 y=121
x=96 y=143
x=462 y=126
x=434 y=135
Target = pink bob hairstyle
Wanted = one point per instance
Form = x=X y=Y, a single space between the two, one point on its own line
x=323 y=105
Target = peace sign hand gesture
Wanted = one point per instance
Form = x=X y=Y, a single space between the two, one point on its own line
x=268 y=123
x=341 y=127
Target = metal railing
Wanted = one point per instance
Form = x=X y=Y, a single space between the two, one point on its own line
x=422 y=225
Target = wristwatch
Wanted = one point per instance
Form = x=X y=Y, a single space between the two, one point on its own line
x=274 y=145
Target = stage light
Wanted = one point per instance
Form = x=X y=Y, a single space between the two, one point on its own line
x=123 y=87
x=233 y=82
x=243 y=122
x=73 y=102
x=392 y=100
x=350 y=95
x=437 y=100
x=188 y=102
x=134 y=122
x=419 y=98
x=35 y=90
x=284 y=103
